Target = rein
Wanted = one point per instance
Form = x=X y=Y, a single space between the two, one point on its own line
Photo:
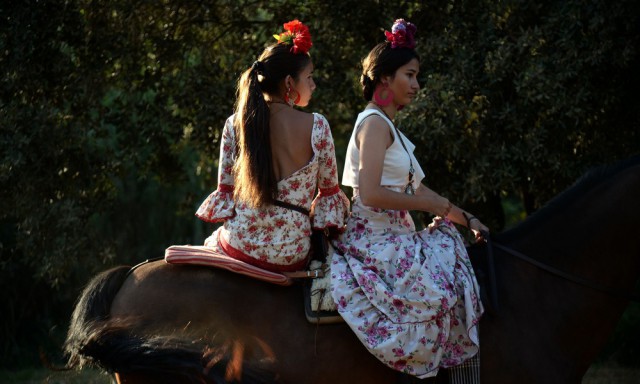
x=555 y=271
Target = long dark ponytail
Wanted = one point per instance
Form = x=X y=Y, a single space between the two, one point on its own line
x=255 y=181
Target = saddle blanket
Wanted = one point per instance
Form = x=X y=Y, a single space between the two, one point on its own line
x=201 y=255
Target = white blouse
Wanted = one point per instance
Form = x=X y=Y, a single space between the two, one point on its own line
x=396 y=160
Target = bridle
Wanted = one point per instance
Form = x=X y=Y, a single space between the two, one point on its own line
x=493 y=294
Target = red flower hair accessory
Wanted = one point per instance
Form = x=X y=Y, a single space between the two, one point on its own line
x=297 y=35
x=402 y=34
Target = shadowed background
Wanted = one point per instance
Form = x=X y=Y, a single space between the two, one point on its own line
x=111 y=114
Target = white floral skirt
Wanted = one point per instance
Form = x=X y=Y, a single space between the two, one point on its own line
x=410 y=297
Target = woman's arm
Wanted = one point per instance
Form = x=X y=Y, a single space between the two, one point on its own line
x=373 y=139
x=459 y=215
x=219 y=205
x=227 y=155
x=331 y=206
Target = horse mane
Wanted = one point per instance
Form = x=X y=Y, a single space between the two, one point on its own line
x=590 y=179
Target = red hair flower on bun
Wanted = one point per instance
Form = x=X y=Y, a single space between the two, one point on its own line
x=402 y=34
x=297 y=35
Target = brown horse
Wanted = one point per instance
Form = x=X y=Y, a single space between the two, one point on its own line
x=181 y=324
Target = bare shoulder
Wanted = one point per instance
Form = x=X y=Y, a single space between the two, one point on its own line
x=374 y=127
x=374 y=122
x=292 y=126
x=303 y=119
x=292 y=119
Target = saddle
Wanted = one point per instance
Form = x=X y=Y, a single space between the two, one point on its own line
x=206 y=256
x=319 y=306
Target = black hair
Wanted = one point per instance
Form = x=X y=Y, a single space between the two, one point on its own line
x=381 y=61
x=255 y=181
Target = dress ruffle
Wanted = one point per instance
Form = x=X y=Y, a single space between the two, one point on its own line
x=218 y=206
x=330 y=208
x=410 y=297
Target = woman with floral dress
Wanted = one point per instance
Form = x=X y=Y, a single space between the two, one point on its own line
x=271 y=156
x=411 y=297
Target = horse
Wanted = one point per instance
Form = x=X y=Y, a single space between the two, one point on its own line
x=163 y=323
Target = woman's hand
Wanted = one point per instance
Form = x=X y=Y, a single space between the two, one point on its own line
x=479 y=230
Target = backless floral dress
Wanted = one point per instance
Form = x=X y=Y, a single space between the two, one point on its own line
x=277 y=238
x=410 y=296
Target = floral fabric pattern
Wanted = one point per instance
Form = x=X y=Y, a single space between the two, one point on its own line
x=410 y=296
x=274 y=237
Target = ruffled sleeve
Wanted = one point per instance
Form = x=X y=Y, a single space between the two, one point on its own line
x=330 y=208
x=219 y=205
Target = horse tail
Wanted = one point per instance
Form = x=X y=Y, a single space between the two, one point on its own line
x=92 y=308
x=94 y=340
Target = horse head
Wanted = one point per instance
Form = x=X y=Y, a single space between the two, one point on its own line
x=547 y=317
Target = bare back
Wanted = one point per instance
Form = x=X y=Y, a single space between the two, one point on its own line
x=290 y=140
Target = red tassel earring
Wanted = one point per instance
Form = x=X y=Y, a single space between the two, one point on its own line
x=288 y=100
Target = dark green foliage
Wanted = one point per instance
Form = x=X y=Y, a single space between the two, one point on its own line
x=111 y=111
x=520 y=98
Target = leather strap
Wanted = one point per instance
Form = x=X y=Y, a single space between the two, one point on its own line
x=565 y=275
x=311 y=274
x=296 y=208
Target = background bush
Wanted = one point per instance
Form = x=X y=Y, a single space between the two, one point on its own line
x=111 y=112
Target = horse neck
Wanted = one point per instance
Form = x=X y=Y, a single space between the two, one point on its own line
x=594 y=234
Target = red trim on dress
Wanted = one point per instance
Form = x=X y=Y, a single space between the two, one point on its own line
x=222 y=188
x=239 y=255
x=216 y=220
x=330 y=191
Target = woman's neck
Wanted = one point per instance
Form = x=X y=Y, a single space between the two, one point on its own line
x=389 y=110
x=276 y=101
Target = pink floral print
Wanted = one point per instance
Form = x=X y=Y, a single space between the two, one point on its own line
x=410 y=297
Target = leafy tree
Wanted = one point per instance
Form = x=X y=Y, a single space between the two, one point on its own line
x=111 y=112
x=520 y=98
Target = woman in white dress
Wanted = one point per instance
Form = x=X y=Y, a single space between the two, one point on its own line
x=411 y=297
x=273 y=157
